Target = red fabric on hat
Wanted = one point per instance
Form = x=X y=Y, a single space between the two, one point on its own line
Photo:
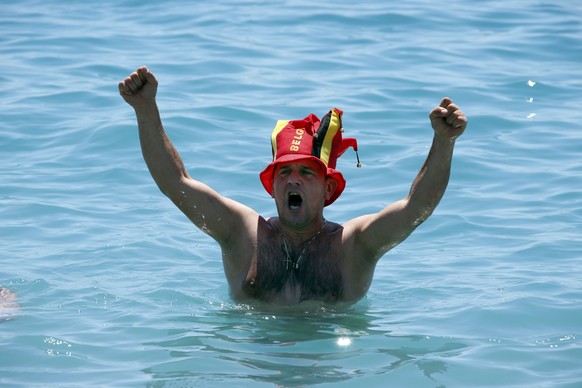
x=294 y=142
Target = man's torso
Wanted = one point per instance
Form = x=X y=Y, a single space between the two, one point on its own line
x=264 y=271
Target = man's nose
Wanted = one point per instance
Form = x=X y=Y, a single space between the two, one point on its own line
x=294 y=178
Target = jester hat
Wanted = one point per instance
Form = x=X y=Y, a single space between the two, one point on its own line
x=310 y=138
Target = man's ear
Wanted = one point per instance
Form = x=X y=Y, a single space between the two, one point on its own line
x=330 y=186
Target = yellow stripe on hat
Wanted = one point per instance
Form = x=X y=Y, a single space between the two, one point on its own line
x=335 y=124
x=278 y=128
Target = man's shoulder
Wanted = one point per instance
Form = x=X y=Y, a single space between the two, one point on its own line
x=357 y=224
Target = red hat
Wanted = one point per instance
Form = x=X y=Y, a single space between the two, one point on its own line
x=312 y=139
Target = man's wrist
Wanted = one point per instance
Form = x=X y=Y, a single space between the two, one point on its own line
x=443 y=141
x=146 y=107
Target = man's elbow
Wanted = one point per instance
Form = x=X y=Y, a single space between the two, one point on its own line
x=173 y=189
x=420 y=211
x=422 y=215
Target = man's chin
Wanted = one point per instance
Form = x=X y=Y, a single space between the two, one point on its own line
x=294 y=218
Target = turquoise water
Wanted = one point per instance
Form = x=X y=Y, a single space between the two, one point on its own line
x=117 y=288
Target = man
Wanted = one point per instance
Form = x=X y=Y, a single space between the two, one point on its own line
x=297 y=256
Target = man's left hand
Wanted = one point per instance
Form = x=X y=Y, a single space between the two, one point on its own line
x=447 y=120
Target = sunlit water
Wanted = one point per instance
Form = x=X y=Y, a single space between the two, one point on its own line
x=117 y=288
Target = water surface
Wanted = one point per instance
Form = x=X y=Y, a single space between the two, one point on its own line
x=117 y=288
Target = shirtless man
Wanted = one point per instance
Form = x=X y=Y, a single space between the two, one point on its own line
x=297 y=256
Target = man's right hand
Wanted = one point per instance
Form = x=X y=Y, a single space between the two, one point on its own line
x=139 y=88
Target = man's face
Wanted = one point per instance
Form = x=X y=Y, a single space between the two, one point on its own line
x=300 y=190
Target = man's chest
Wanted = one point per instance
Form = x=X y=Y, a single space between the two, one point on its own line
x=291 y=275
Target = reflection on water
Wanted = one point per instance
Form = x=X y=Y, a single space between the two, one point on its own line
x=292 y=347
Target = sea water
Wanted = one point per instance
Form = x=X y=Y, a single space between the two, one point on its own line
x=117 y=288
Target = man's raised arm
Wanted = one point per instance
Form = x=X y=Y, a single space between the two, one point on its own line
x=377 y=233
x=214 y=214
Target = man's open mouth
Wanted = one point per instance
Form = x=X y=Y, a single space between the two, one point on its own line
x=294 y=200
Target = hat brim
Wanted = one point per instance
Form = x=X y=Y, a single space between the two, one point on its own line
x=267 y=174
